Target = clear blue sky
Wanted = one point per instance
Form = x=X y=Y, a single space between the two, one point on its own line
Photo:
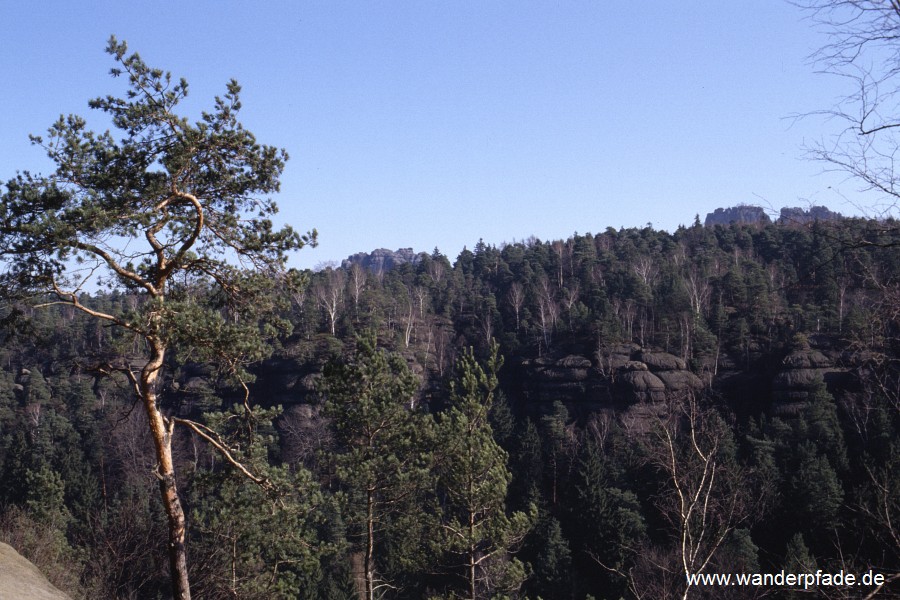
x=426 y=123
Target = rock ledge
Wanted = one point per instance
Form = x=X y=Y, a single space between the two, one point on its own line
x=22 y=580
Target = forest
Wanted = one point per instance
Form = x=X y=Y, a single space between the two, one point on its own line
x=608 y=416
x=584 y=418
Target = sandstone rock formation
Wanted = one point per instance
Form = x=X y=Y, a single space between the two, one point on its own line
x=803 y=371
x=802 y=216
x=622 y=373
x=737 y=214
x=21 y=580
x=382 y=259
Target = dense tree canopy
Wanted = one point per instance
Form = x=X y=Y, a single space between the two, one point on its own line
x=791 y=359
x=595 y=417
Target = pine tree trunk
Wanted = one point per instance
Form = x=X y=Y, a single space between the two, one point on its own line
x=473 y=561
x=473 y=566
x=370 y=545
x=162 y=429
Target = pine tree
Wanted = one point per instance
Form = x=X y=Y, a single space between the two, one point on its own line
x=382 y=462
x=473 y=481
x=551 y=560
x=254 y=544
x=169 y=209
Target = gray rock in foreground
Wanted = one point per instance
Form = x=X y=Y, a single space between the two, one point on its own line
x=21 y=580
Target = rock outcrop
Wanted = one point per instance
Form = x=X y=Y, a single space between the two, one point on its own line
x=737 y=214
x=803 y=371
x=672 y=371
x=640 y=384
x=622 y=374
x=382 y=259
x=802 y=216
x=571 y=379
x=21 y=580
x=755 y=214
x=652 y=375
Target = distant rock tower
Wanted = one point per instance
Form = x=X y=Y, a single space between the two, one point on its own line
x=382 y=260
x=737 y=214
x=802 y=216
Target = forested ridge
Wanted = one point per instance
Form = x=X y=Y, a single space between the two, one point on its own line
x=590 y=417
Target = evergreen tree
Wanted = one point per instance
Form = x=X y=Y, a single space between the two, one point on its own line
x=526 y=467
x=256 y=542
x=556 y=438
x=605 y=520
x=473 y=479
x=382 y=461
x=160 y=212
x=551 y=560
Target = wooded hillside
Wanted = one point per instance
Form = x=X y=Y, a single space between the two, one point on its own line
x=590 y=417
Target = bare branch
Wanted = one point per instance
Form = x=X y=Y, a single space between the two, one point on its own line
x=213 y=439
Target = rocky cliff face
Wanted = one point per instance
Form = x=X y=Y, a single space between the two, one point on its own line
x=737 y=214
x=755 y=214
x=623 y=377
x=802 y=216
x=802 y=371
x=382 y=259
x=571 y=379
x=624 y=373
x=805 y=369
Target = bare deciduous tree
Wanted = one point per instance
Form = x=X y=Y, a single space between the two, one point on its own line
x=516 y=297
x=862 y=50
x=548 y=311
x=705 y=496
x=645 y=268
x=699 y=290
x=357 y=285
x=436 y=271
x=329 y=292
